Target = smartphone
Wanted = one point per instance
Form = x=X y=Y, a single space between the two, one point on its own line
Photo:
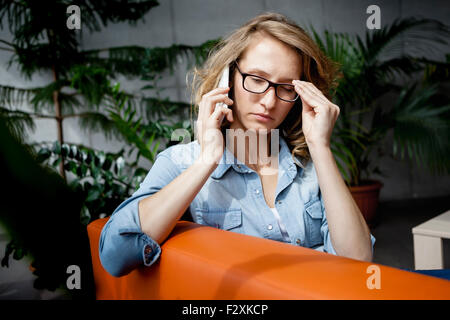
x=223 y=83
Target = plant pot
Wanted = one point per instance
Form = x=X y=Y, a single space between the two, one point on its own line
x=367 y=197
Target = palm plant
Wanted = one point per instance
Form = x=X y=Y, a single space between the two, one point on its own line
x=82 y=87
x=419 y=117
x=81 y=79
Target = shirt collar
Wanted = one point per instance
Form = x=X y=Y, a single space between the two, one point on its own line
x=286 y=163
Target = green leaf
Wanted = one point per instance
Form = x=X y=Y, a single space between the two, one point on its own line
x=65 y=150
x=87 y=157
x=73 y=152
x=56 y=147
x=85 y=215
x=94 y=171
x=43 y=155
x=101 y=158
x=56 y=162
x=84 y=170
x=19 y=253
x=155 y=149
x=70 y=166
x=107 y=163
x=120 y=164
x=93 y=193
x=108 y=176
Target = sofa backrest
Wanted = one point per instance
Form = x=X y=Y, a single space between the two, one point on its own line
x=200 y=262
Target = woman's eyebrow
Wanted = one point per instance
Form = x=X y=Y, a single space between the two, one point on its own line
x=265 y=74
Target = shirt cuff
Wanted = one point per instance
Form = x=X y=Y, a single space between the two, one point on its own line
x=151 y=251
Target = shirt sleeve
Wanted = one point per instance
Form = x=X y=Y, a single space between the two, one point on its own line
x=327 y=244
x=123 y=246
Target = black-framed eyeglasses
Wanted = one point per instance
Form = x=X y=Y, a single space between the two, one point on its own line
x=256 y=84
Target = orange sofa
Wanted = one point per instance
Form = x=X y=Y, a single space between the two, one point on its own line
x=200 y=262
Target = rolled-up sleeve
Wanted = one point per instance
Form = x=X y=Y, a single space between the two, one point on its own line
x=327 y=244
x=123 y=246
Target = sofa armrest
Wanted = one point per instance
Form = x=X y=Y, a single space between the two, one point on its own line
x=201 y=262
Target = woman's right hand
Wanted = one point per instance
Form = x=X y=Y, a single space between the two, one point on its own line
x=209 y=121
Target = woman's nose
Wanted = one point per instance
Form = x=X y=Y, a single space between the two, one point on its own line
x=269 y=98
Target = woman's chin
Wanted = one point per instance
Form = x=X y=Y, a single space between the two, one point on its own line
x=263 y=127
x=256 y=126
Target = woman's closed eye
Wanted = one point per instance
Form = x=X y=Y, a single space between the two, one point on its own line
x=257 y=80
x=287 y=88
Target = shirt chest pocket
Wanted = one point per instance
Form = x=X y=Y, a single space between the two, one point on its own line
x=230 y=219
x=313 y=221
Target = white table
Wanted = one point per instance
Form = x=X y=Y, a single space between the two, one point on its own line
x=428 y=237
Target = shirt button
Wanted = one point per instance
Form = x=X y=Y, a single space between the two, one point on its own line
x=257 y=191
x=147 y=252
x=279 y=201
x=269 y=227
x=298 y=242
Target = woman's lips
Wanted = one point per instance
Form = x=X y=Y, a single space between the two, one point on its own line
x=262 y=117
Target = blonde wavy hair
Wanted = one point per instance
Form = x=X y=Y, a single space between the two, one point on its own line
x=316 y=68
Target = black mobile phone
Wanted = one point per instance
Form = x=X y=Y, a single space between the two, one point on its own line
x=223 y=83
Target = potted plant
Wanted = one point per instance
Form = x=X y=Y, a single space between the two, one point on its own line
x=373 y=70
x=81 y=87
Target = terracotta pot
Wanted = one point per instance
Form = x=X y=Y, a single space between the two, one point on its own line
x=366 y=197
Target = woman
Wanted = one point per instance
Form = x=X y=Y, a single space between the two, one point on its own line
x=297 y=197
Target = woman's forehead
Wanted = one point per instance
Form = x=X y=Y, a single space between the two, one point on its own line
x=271 y=57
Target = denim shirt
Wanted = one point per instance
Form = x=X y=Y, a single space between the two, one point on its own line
x=232 y=199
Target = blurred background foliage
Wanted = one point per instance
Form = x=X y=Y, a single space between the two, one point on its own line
x=84 y=86
x=42 y=216
x=387 y=88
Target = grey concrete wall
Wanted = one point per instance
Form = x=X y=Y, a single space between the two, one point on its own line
x=194 y=21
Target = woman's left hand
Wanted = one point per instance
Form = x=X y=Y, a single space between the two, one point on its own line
x=318 y=115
